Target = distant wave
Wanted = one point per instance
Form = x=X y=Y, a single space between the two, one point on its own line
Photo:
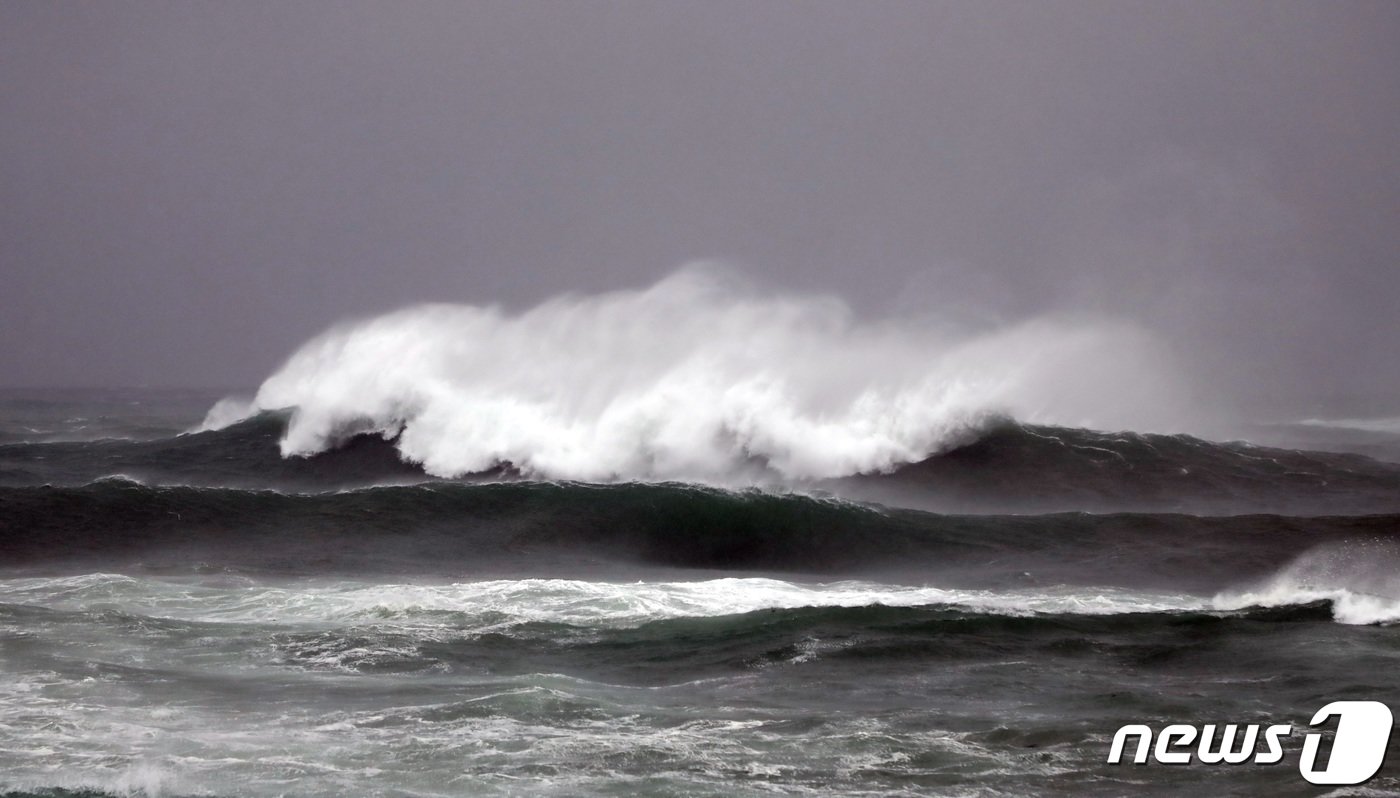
x=700 y=379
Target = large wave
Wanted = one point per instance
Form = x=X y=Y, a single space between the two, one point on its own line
x=698 y=377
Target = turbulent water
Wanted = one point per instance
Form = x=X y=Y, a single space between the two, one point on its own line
x=195 y=614
x=699 y=378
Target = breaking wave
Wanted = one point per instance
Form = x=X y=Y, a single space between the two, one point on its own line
x=697 y=378
x=498 y=604
x=1359 y=578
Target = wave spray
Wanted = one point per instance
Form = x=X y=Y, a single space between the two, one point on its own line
x=698 y=377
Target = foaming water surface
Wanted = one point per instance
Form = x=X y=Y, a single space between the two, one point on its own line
x=696 y=378
x=235 y=685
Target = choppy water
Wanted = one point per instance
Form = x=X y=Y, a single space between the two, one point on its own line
x=220 y=621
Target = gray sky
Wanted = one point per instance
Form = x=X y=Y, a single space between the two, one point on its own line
x=189 y=190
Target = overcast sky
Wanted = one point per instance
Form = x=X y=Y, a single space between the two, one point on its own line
x=190 y=190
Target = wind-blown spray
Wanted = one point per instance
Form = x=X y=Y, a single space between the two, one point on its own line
x=697 y=377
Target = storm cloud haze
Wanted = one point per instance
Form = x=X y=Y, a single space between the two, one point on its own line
x=189 y=191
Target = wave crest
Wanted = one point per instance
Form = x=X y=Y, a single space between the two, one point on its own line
x=697 y=377
x=1359 y=578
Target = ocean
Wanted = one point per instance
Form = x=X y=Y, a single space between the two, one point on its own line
x=185 y=610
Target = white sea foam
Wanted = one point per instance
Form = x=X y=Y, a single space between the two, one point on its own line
x=698 y=377
x=487 y=605
x=77 y=707
x=1360 y=578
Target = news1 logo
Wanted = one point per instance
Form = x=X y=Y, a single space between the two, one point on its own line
x=1363 y=731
